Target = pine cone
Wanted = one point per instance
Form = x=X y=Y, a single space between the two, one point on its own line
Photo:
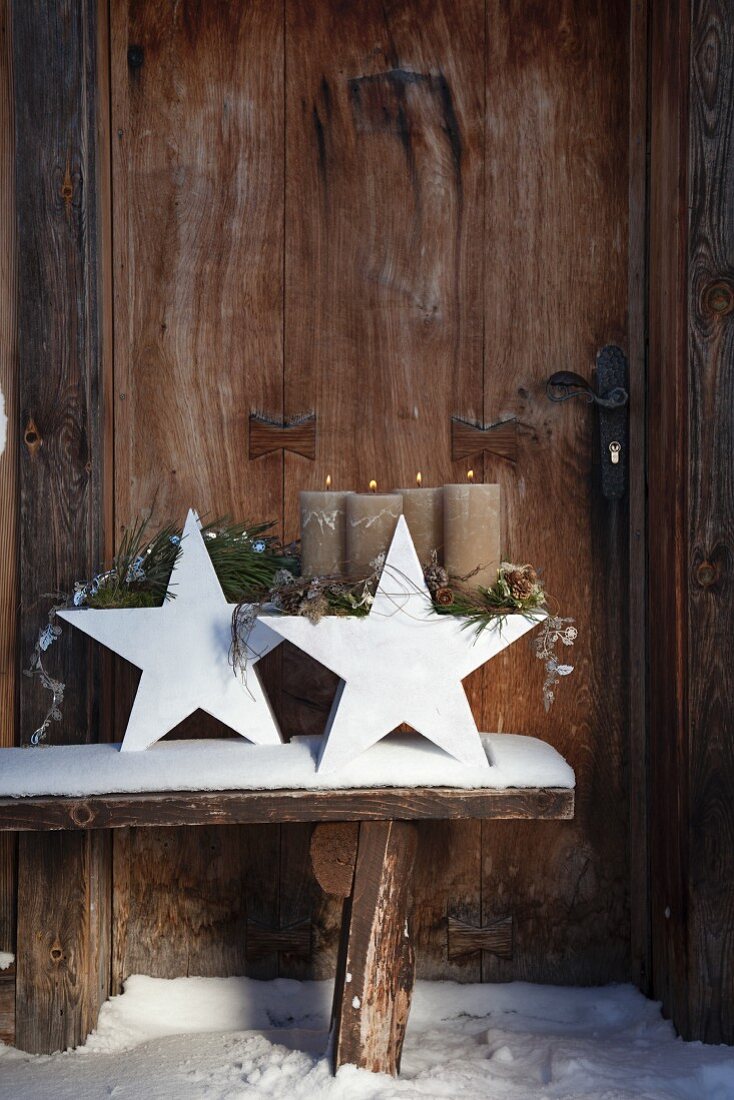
x=443 y=596
x=436 y=577
x=288 y=600
x=522 y=582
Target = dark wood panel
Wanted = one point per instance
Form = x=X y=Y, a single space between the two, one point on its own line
x=556 y=290
x=639 y=89
x=180 y=906
x=7 y=1006
x=711 y=522
x=8 y=463
x=62 y=946
x=197 y=119
x=114 y=811
x=383 y=305
x=667 y=478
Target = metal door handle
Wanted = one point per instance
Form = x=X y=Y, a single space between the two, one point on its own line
x=611 y=398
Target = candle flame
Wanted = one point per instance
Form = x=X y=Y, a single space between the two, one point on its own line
x=419 y=479
x=328 y=481
x=373 y=486
x=469 y=475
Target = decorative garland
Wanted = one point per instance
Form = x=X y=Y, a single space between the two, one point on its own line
x=256 y=571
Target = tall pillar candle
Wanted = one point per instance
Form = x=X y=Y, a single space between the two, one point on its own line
x=323 y=532
x=471 y=517
x=423 y=511
x=371 y=522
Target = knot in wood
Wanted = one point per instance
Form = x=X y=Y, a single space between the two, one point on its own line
x=707 y=574
x=81 y=814
x=718 y=298
x=135 y=57
x=32 y=436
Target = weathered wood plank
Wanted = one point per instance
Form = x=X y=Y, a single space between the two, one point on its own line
x=375 y=977
x=197 y=119
x=710 y=500
x=115 y=811
x=637 y=535
x=8 y=461
x=667 y=427
x=293 y=939
x=62 y=936
x=180 y=907
x=465 y=939
x=383 y=292
x=556 y=250
x=7 y=1006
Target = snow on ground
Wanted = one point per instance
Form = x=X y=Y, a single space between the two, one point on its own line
x=233 y=1038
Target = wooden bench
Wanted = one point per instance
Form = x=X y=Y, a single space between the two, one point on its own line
x=363 y=849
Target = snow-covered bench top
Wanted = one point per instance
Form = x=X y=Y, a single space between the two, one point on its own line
x=400 y=761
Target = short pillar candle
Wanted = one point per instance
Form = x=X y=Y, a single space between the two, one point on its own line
x=423 y=511
x=472 y=532
x=323 y=532
x=371 y=521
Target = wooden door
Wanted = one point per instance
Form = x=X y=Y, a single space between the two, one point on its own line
x=388 y=215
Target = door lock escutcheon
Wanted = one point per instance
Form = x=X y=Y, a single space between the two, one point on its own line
x=611 y=398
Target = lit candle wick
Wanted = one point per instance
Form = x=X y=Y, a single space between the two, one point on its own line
x=328 y=481
x=419 y=479
x=469 y=475
x=373 y=486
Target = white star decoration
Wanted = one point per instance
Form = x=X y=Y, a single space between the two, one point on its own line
x=401 y=663
x=183 y=650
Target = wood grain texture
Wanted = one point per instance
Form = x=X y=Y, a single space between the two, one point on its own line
x=465 y=939
x=333 y=851
x=710 y=977
x=667 y=427
x=197 y=123
x=294 y=939
x=299 y=438
x=62 y=948
x=180 y=902
x=117 y=811
x=383 y=283
x=639 y=91
x=8 y=462
x=7 y=1006
x=556 y=286
x=471 y=439
x=375 y=981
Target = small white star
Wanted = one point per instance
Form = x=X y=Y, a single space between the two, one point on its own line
x=183 y=649
x=401 y=663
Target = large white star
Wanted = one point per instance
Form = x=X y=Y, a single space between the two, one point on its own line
x=400 y=663
x=183 y=650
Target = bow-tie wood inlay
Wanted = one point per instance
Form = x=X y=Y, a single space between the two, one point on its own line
x=498 y=439
x=294 y=939
x=297 y=436
x=464 y=939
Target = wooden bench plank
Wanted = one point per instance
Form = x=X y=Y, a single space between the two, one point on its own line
x=114 y=811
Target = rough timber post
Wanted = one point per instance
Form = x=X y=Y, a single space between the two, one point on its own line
x=376 y=966
x=63 y=883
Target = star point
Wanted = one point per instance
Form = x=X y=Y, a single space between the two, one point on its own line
x=402 y=662
x=183 y=648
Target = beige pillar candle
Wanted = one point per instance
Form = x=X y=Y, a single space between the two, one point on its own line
x=323 y=532
x=423 y=511
x=371 y=521
x=471 y=518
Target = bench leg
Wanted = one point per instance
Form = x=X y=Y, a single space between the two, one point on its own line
x=376 y=968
